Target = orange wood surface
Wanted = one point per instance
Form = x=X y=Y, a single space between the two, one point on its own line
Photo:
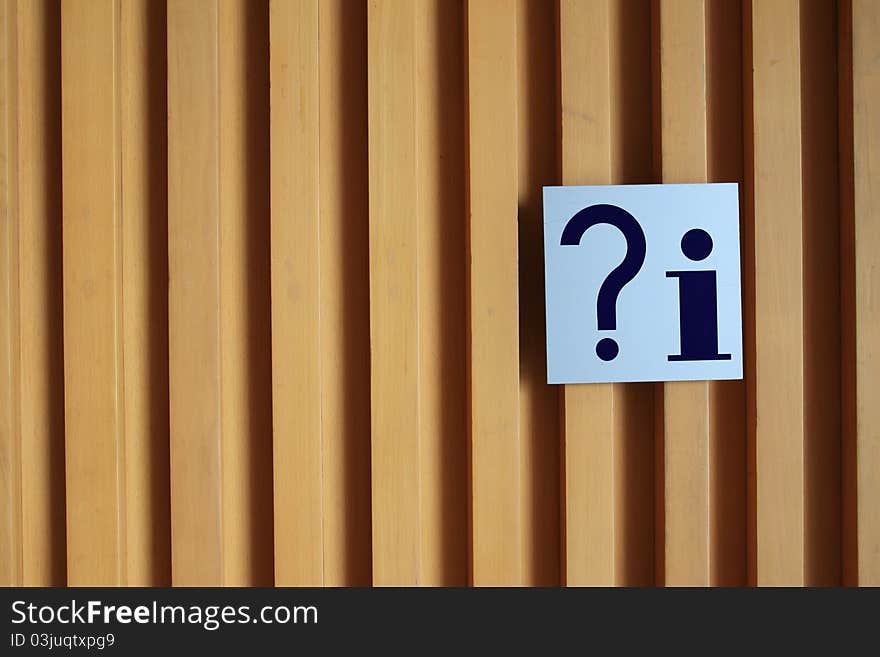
x=272 y=293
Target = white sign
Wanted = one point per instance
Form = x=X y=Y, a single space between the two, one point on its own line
x=642 y=283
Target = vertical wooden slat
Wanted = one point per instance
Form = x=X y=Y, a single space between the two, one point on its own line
x=244 y=271
x=93 y=368
x=10 y=436
x=703 y=434
x=727 y=399
x=608 y=430
x=345 y=293
x=778 y=427
x=493 y=296
x=40 y=344
x=144 y=302
x=296 y=326
x=394 y=336
x=865 y=152
x=590 y=525
x=539 y=402
x=848 y=443
x=821 y=292
x=686 y=408
x=747 y=223
x=441 y=273
x=194 y=292
x=632 y=161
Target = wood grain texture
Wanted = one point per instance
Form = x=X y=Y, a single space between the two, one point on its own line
x=848 y=435
x=591 y=537
x=686 y=408
x=779 y=310
x=632 y=162
x=704 y=450
x=244 y=272
x=296 y=298
x=365 y=176
x=607 y=430
x=727 y=399
x=219 y=315
x=496 y=489
x=822 y=293
x=537 y=165
x=394 y=321
x=866 y=206
x=439 y=89
x=144 y=299
x=11 y=556
x=93 y=364
x=194 y=293
x=40 y=343
x=345 y=293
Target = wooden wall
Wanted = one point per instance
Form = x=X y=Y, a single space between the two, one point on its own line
x=271 y=293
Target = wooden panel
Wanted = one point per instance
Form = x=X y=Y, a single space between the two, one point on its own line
x=415 y=439
x=866 y=200
x=345 y=293
x=778 y=252
x=194 y=293
x=219 y=291
x=608 y=430
x=496 y=495
x=590 y=529
x=39 y=355
x=704 y=450
x=244 y=271
x=122 y=323
x=441 y=273
x=727 y=399
x=144 y=299
x=537 y=164
x=10 y=437
x=686 y=410
x=296 y=327
x=394 y=337
x=632 y=162
x=821 y=292
x=93 y=375
x=848 y=443
x=747 y=224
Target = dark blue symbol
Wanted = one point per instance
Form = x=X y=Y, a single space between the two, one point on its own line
x=698 y=302
x=606 y=304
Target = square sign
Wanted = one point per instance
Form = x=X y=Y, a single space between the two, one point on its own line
x=642 y=283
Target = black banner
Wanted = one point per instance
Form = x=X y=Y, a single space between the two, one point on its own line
x=416 y=621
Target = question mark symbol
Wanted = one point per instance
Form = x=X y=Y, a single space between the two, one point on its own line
x=606 y=304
